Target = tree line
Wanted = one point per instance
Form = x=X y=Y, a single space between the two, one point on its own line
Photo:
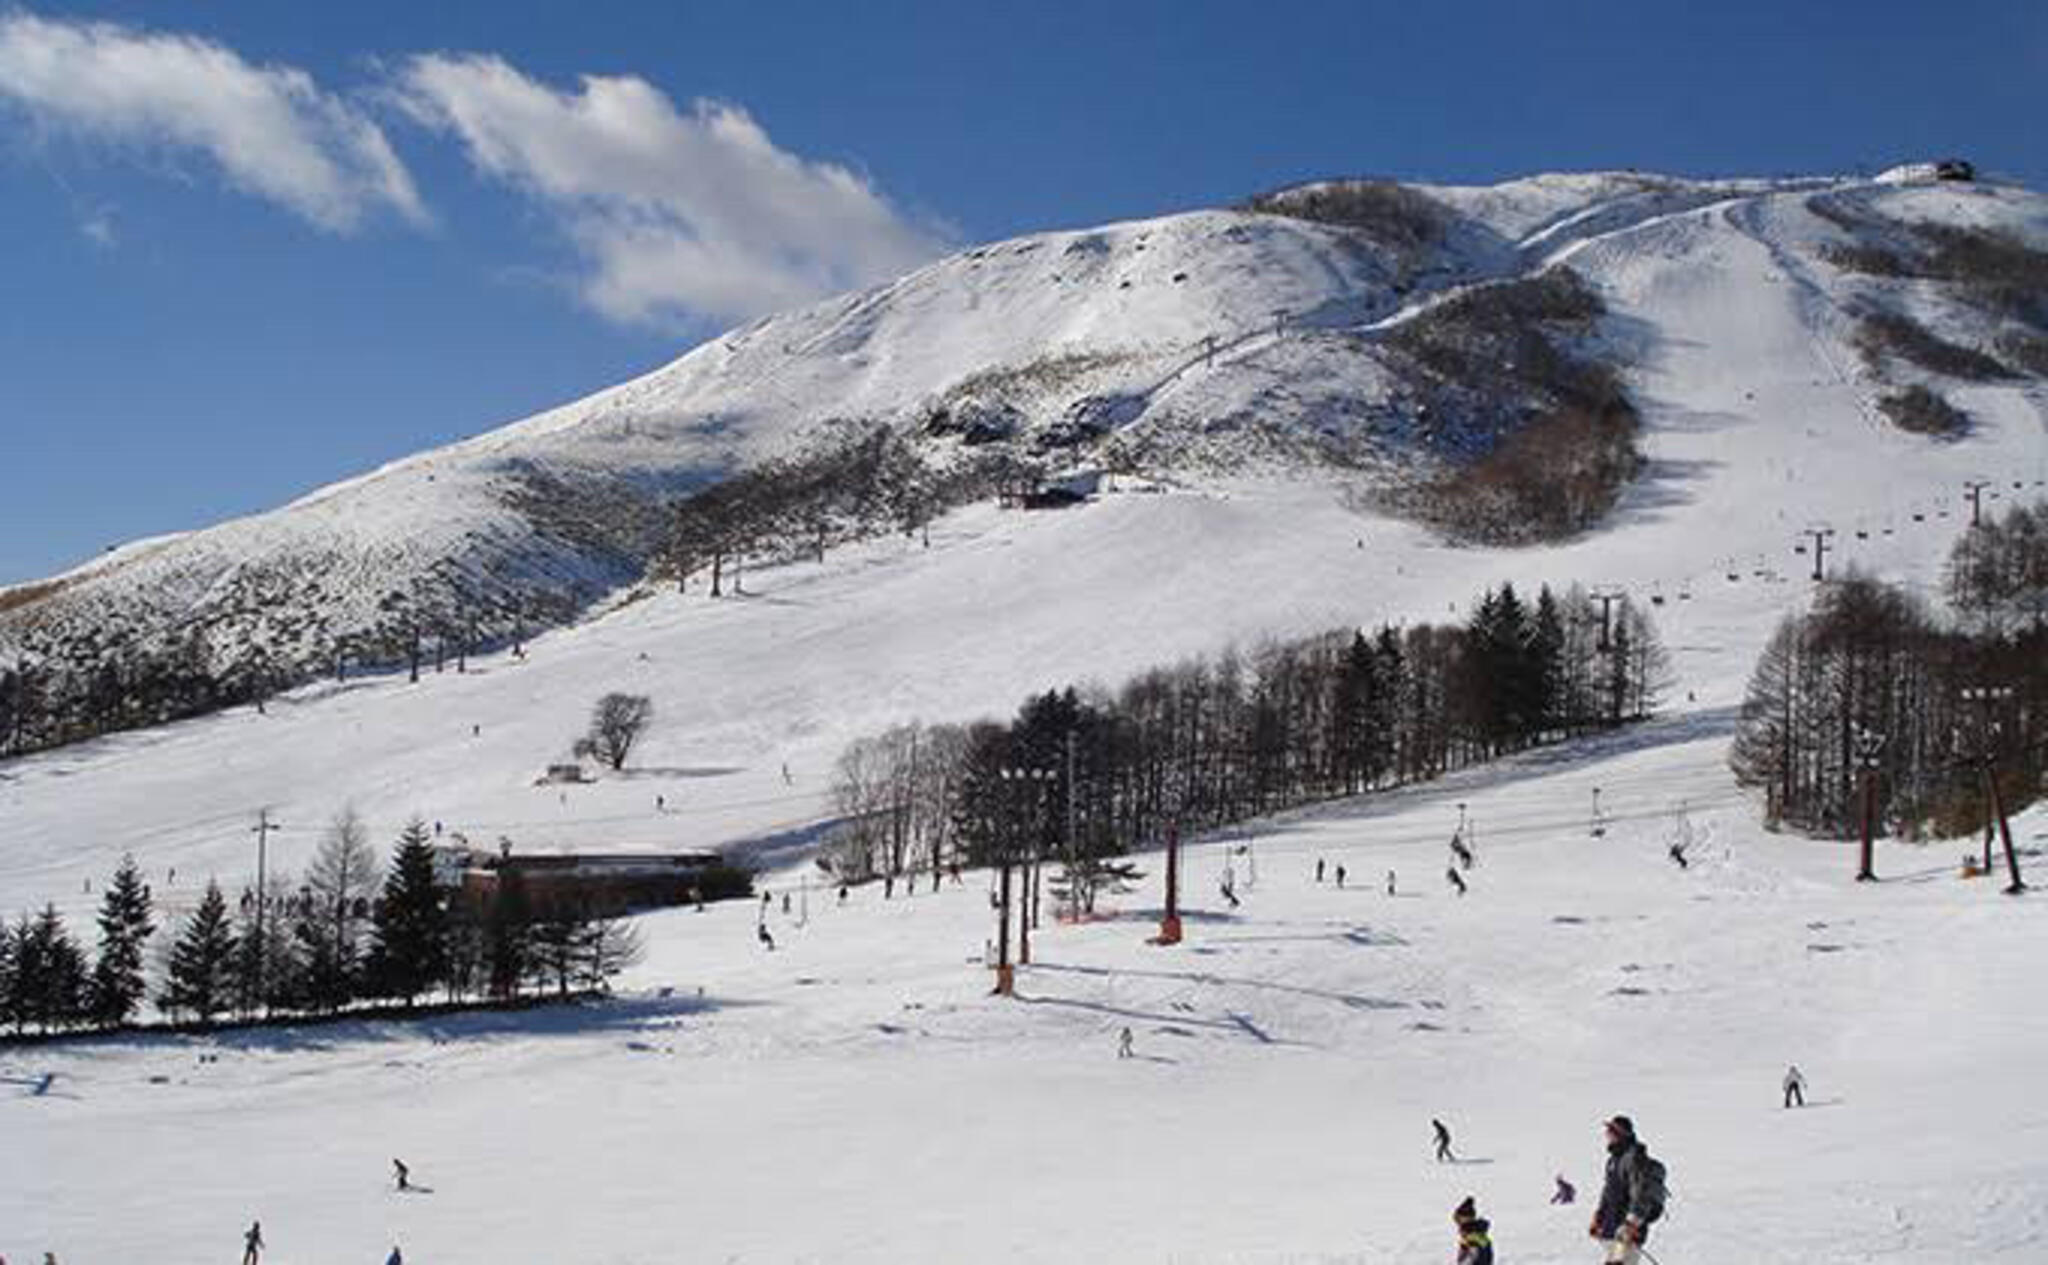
x=1872 y=680
x=1082 y=774
x=346 y=934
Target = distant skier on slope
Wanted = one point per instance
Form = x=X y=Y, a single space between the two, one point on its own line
x=761 y=934
x=1390 y=883
x=1124 y=1041
x=396 y=1258
x=1454 y=878
x=252 y=1244
x=1340 y=876
x=1631 y=1197
x=1460 y=851
x=1475 y=1241
x=1566 y=1193
x=1319 y=869
x=1443 y=1142
x=1795 y=1087
x=401 y=1173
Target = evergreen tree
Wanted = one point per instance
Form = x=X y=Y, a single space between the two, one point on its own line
x=559 y=936
x=410 y=924
x=338 y=889
x=49 y=974
x=125 y=925
x=268 y=969
x=1547 y=687
x=8 y=944
x=201 y=961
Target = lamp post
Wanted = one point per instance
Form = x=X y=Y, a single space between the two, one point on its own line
x=1985 y=696
x=1869 y=745
x=1023 y=779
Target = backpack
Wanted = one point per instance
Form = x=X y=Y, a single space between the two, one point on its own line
x=1651 y=1192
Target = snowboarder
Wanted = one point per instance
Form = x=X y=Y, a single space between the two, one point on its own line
x=1340 y=876
x=1319 y=869
x=1795 y=1088
x=1631 y=1198
x=402 y=1173
x=1566 y=1193
x=1443 y=1142
x=252 y=1244
x=1123 y=1043
x=1475 y=1244
x=761 y=934
x=1455 y=879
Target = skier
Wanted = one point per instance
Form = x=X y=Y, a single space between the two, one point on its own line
x=1390 y=882
x=1340 y=876
x=785 y=904
x=1319 y=869
x=842 y=893
x=1455 y=879
x=761 y=934
x=1223 y=886
x=661 y=803
x=1475 y=1244
x=402 y=1173
x=1566 y=1193
x=252 y=1244
x=1443 y=1142
x=396 y=1258
x=1460 y=852
x=1123 y=1043
x=1677 y=851
x=1631 y=1198
x=1795 y=1087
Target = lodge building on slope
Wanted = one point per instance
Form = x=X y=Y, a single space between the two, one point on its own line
x=599 y=883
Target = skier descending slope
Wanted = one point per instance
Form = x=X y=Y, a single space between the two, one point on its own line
x=1443 y=1142
x=1632 y=1198
x=1795 y=1087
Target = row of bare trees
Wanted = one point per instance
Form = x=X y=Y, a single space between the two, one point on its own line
x=1871 y=680
x=1086 y=773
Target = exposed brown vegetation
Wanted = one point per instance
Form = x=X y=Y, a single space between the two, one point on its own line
x=1925 y=412
x=1881 y=336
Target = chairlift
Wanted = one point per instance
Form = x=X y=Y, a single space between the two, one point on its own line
x=1656 y=599
x=1919 y=517
x=1733 y=578
x=1800 y=550
x=1685 y=595
x=1862 y=534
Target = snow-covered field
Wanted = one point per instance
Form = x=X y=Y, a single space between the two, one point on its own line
x=854 y=1096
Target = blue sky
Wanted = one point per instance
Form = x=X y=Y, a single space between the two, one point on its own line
x=247 y=249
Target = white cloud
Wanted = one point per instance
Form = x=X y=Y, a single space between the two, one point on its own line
x=679 y=215
x=98 y=227
x=270 y=129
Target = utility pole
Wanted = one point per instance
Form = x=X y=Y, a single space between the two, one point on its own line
x=1821 y=536
x=1073 y=854
x=1607 y=598
x=1169 y=924
x=1985 y=696
x=1869 y=744
x=1006 y=977
x=264 y=825
x=1974 y=490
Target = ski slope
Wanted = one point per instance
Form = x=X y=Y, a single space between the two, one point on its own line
x=855 y=1097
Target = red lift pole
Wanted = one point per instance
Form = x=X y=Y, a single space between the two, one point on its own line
x=1169 y=925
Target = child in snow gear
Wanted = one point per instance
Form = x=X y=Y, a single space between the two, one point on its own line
x=1795 y=1087
x=252 y=1244
x=1631 y=1198
x=1475 y=1244
x=1443 y=1142
x=1565 y=1193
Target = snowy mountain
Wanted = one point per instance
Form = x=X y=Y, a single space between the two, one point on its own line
x=855 y=1095
x=1379 y=337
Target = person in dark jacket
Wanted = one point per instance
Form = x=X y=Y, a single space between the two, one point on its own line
x=1475 y=1240
x=1443 y=1141
x=1632 y=1197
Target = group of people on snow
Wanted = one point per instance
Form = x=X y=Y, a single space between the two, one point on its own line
x=1632 y=1197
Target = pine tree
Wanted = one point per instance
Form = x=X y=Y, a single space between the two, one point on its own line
x=410 y=924
x=8 y=943
x=201 y=961
x=125 y=925
x=49 y=974
x=1547 y=690
x=268 y=972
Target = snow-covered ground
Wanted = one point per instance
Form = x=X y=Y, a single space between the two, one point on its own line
x=855 y=1096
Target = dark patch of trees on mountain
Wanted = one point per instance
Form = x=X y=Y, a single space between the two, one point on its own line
x=1924 y=412
x=1216 y=741
x=1409 y=221
x=1990 y=270
x=1882 y=337
x=1871 y=657
x=861 y=485
x=1541 y=439
x=347 y=936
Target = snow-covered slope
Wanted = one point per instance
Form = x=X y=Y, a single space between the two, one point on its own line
x=1179 y=346
x=854 y=1097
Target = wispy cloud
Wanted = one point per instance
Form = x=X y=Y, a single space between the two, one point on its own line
x=270 y=130
x=680 y=215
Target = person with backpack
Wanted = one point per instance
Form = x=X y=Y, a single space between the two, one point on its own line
x=1632 y=1197
x=1475 y=1241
